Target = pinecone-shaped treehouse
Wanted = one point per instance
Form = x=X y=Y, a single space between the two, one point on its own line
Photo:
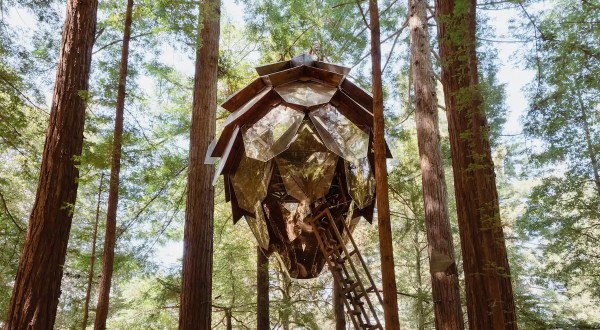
x=298 y=141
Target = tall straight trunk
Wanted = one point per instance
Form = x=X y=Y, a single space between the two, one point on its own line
x=444 y=275
x=286 y=300
x=388 y=273
x=419 y=303
x=338 y=307
x=110 y=237
x=490 y=302
x=196 y=287
x=88 y=291
x=262 y=290
x=588 y=140
x=37 y=286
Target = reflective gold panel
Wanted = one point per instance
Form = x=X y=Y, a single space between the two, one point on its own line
x=306 y=93
x=360 y=180
x=272 y=134
x=250 y=182
x=307 y=167
x=339 y=134
x=258 y=225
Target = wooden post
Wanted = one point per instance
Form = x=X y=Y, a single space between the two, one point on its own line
x=444 y=275
x=490 y=302
x=196 y=286
x=36 y=290
x=262 y=290
x=388 y=274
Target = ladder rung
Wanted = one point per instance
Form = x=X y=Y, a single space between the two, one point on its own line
x=350 y=288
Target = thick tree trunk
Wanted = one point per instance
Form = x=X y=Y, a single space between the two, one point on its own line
x=262 y=290
x=388 y=274
x=37 y=285
x=444 y=276
x=490 y=302
x=196 y=287
x=338 y=307
x=88 y=291
x=108 y=258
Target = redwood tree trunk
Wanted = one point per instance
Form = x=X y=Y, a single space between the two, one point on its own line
x=113 y=192
x=490 y=303
x=262 y=290
x=196 y=287
x=444 y=277
x=88 y=291
x=37 y=285
x=388 y=273
x=338 y=307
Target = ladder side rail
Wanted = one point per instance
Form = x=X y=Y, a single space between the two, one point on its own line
x=362 y=261
x=331 y=265
x=356 y=274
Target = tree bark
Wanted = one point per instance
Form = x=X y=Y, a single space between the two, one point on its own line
x=262 y=290
x=388 y=274
x=196 y=287
x=88 y=291
x=338 y=307
x=444 y=275
x=589 y=141
x=37 y=285
x=108 y=258
x=490 y=302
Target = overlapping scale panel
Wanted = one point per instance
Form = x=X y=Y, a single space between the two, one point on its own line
x=258 y=226
x=339 y=134
x=272 y=134
x=306 y=93
x=250 y=182
x=361 y=182
x=307 y=167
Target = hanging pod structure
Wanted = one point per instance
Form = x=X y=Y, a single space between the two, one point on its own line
x=298 y=141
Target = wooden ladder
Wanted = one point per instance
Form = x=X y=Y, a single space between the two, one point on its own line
x=348 y=273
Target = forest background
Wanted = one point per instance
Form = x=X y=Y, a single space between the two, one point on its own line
x=540 y=75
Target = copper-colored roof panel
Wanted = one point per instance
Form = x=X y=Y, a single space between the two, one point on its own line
x=285 y=76
x=237 y=114
x=209 y=159
x=332 y=67
x=273 y=67
x=246 y=115
x=244 y=95
x=364 y=98
x=325 y=76
x=351 y=109
x=234 y=141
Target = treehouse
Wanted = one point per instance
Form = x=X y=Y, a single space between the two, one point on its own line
x=298 y=142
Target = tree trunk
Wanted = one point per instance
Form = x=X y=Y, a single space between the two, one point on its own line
x=490 y=303
x=286 y=301
x=196 y=287
x=338 y=306
x=418 y=284
x=589 y=141
x=88 y=291
x=37 y=284
x=388 y=274
x=108 y=258
x=228 y=317
x=262 y=290
x=444 y=276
